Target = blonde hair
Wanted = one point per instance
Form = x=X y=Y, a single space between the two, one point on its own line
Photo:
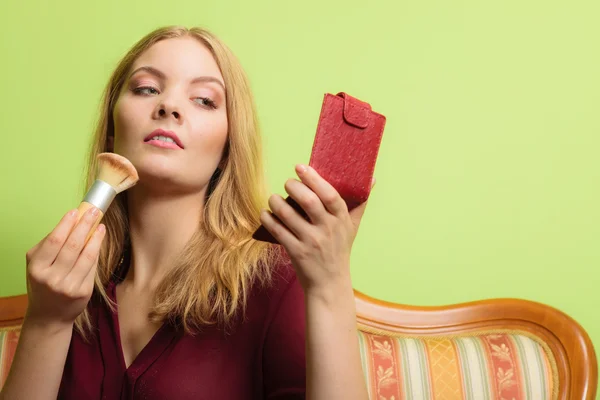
x=210 y=281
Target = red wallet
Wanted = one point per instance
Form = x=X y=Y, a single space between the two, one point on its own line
x=344 y=151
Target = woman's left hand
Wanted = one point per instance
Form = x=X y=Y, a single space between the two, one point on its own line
x=320 y=248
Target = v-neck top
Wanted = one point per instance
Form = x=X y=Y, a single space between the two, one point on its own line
x=261 y=357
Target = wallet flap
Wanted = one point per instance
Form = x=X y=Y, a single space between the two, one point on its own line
x=356 y=112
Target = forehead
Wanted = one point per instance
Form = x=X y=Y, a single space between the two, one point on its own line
x=179 y=58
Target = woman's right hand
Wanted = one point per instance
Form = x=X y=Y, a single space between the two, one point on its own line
x=61 y=270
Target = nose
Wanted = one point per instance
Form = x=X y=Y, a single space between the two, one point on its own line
x=168 y=110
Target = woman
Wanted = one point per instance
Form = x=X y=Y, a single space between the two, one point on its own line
x=172 y=298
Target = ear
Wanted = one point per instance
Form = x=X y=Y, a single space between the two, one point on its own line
x=110 y=144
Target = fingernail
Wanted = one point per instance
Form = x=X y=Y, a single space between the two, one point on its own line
x=72 y=213
x=94 y=212
x=101 y=228
x=302 y=168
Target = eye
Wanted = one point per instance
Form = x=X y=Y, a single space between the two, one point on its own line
x=206 y=102
x=145 y=90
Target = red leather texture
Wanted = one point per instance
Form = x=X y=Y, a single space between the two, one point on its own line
x=344 y=151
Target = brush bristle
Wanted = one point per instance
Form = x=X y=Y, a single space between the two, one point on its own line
x=117 y=171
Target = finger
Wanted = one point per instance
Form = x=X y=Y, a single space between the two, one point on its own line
x=330 y=197
x=47 y=250
x=278 y=230
x=290 y=218
x=88 y=257
x=71 y=250
x=308 y=200
x=90 y=279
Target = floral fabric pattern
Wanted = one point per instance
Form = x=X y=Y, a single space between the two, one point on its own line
x=494 y=366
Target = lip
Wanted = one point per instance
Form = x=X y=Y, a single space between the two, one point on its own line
x=162 y=132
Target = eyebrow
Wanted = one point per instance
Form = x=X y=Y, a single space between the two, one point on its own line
x=158 y=73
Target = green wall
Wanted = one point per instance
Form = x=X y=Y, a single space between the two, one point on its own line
x=488 y=176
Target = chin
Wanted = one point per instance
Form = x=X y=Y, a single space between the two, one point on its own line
x=159 y=173
x=160 y=165
x=167 y=181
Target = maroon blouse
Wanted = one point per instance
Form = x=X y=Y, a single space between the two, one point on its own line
x=262 y=358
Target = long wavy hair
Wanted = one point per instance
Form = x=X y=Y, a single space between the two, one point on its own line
x=211 y=278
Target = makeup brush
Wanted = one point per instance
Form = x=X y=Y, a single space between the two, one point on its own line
x=115 y=174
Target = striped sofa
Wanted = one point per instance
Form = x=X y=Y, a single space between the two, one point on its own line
x=488 y=365
x=503 y=349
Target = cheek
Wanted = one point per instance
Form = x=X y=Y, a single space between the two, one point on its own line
x=208 y=131
x=119 y=129
x=120 y=121
x=215 y=136
x=125 y=115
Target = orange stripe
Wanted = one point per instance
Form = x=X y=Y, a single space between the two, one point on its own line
x=385 y=380
x=504 y=366
x=444 y=368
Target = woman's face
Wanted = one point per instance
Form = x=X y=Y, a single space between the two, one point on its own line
x=174 y=86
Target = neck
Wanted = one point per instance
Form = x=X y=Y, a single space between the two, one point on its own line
x=159 y=228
